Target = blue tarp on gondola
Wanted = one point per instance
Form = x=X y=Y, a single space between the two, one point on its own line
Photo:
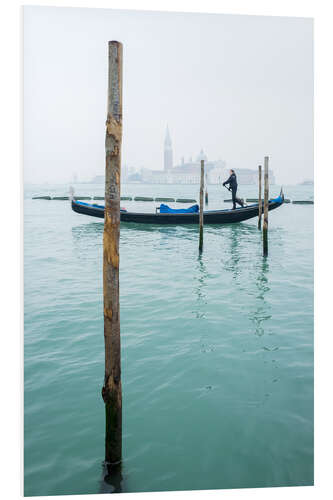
x=165 y=209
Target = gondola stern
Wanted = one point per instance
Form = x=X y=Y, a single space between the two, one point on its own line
x=282 y=194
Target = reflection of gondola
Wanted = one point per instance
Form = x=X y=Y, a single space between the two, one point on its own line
x=210 y=217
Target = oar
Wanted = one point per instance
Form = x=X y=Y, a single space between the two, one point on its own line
x=238 y=200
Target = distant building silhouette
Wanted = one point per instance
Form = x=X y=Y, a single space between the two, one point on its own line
x=187 y=172
x=168 y=161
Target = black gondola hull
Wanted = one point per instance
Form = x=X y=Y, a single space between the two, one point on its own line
x=210 y=216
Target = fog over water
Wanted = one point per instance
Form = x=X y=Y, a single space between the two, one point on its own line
x=240 y=87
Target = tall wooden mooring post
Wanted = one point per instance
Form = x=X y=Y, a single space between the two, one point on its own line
x=201 y=217
x=206 y=190
x=266 y=194
x=111 y=391
x=259 y=197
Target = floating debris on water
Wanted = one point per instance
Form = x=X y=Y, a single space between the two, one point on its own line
x=143 y=198
x=165 y=199
x=255 y=200
x=185 y=200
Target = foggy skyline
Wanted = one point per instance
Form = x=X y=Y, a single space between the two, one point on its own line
x=240 y=87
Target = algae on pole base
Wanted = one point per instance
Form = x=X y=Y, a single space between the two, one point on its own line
x=265 y=226
x=111 y=392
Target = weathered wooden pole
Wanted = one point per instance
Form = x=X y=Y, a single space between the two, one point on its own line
x=202 y=173
x=265 y=226
x=111 y=391
x=206 y=192
x=259 y=198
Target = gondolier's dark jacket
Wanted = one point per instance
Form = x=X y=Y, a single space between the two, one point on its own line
x=232 y=181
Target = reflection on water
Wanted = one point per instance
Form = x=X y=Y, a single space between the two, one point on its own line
x=85 y=236
x=239 y=239
x=90 y=229
x=222 y=340
x=199 y=289
x=235 y=234
x=87 y=239
x=131 y=229
x=234 y=241
x=261 y=313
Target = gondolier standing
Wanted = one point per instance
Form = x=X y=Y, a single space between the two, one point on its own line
x=232 y=181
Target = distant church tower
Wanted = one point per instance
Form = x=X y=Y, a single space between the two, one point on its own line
x=168 y=162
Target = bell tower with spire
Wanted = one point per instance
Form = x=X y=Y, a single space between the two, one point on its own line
x=168 y=162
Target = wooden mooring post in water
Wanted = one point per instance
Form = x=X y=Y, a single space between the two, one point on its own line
x=265 y=226
x=202 y=176
x=206 y=191
x=259 y=197
x=111 y=391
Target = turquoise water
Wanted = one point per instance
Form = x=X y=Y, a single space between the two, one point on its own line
x=217 y=350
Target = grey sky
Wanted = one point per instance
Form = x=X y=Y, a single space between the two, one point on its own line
x=240 y=87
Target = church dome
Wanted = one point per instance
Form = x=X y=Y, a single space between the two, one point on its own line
x=202 y=156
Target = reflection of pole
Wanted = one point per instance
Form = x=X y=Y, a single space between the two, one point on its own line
x=265 y=226
x=259 y=199
x=111 y=391
x=201 y=207
x=262 y=311
x=206 y=192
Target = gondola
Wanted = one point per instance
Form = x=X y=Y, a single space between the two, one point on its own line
x=225 y=216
